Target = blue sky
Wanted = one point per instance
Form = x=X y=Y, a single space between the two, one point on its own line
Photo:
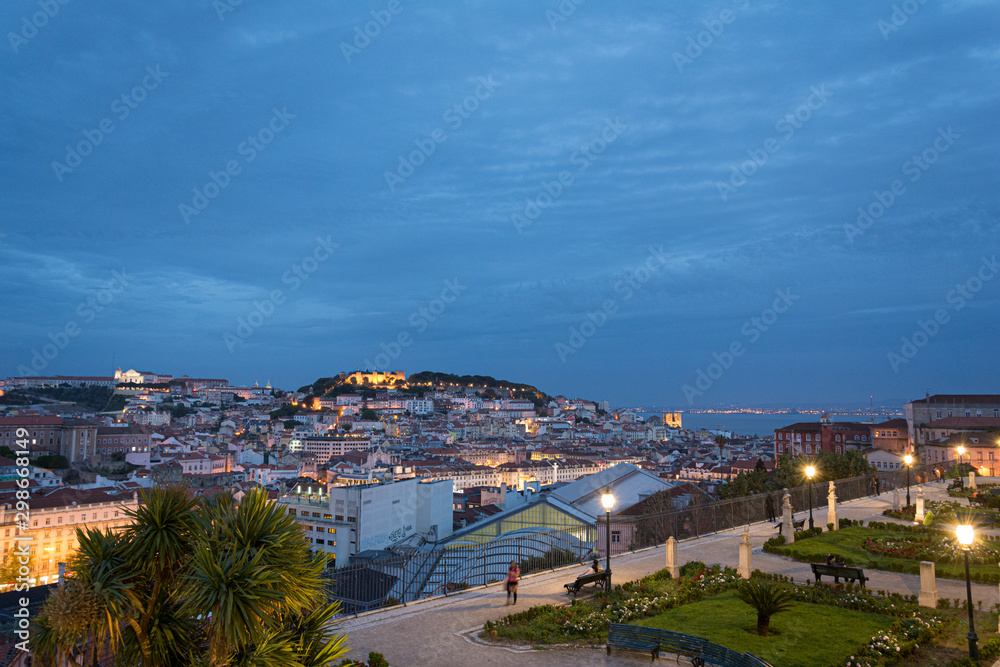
x=598 y=199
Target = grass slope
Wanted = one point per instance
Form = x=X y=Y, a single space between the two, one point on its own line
x=810 y=635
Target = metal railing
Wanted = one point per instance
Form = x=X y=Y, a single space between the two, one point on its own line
x=406 y=575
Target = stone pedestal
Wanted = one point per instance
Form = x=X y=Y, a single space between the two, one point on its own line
x=972 y=479
x=672 y=566
x=895 y=500
x=919 y=516
x=745 y=568
x=831 y=506
x=928 y=586
x=787 y=529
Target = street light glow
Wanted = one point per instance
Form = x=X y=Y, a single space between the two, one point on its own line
x=810 y=471
x=608 y=500
x=960 y=449
x=908 y=459
x=965 y=533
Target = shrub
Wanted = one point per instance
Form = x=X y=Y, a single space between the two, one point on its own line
x=772 y=544
x=692 y=568
x=990 y=649
x=808 y=532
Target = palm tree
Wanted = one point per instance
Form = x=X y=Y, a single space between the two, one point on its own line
x=721 y=441
x=767 y=599
x=196 y=583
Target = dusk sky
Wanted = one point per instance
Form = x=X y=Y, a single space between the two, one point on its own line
x=602 y=199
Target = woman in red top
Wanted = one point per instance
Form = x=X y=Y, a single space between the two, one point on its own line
x=513 y=574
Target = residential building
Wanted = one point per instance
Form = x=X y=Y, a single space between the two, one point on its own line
x=810 y=438
x=72 y=437
x=53 y=520
x=941 y=406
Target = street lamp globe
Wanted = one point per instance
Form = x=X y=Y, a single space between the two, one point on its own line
x=810 y=471
x=608 y=500
x=966 y=534
x=908 y=459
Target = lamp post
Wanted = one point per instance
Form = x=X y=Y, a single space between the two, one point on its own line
x=810 y=472
x=909 y=461
x=961 y=479
x=608 y=500
x=966 y=534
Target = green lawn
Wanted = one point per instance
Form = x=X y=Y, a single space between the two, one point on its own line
x=810 y=635
x=847 y=542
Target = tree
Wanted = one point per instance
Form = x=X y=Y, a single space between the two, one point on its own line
x=767 y=599
x=747 y=483
x=368 y=415
x=55 y=461
x=192 y=582
x=721 y=441
x=656 y=523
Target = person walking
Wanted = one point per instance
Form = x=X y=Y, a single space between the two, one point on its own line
x=513 y=575
x=769 y=507
x=878 y=486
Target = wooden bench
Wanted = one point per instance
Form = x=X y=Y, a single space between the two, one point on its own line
x=850 y=574
x=982 y=518
x=599 y=578
x=796 y=525
x=657 y=641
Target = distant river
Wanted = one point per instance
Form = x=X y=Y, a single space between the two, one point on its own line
x=750 y=424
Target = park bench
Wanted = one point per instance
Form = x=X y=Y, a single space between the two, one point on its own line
x=982 y=518
x=656 y=641
x=599 y=578
x=796 y=525
x=851 y=574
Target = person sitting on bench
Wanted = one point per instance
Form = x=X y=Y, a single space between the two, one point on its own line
x=839 y=561
x=830 y=560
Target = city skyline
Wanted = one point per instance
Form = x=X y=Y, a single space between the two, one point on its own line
x=736 y=204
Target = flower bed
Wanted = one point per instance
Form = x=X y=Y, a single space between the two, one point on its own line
x=894 y=547
x=935 y=548
x=586 y=621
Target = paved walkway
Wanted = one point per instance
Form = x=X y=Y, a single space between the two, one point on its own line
x=441 y=631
